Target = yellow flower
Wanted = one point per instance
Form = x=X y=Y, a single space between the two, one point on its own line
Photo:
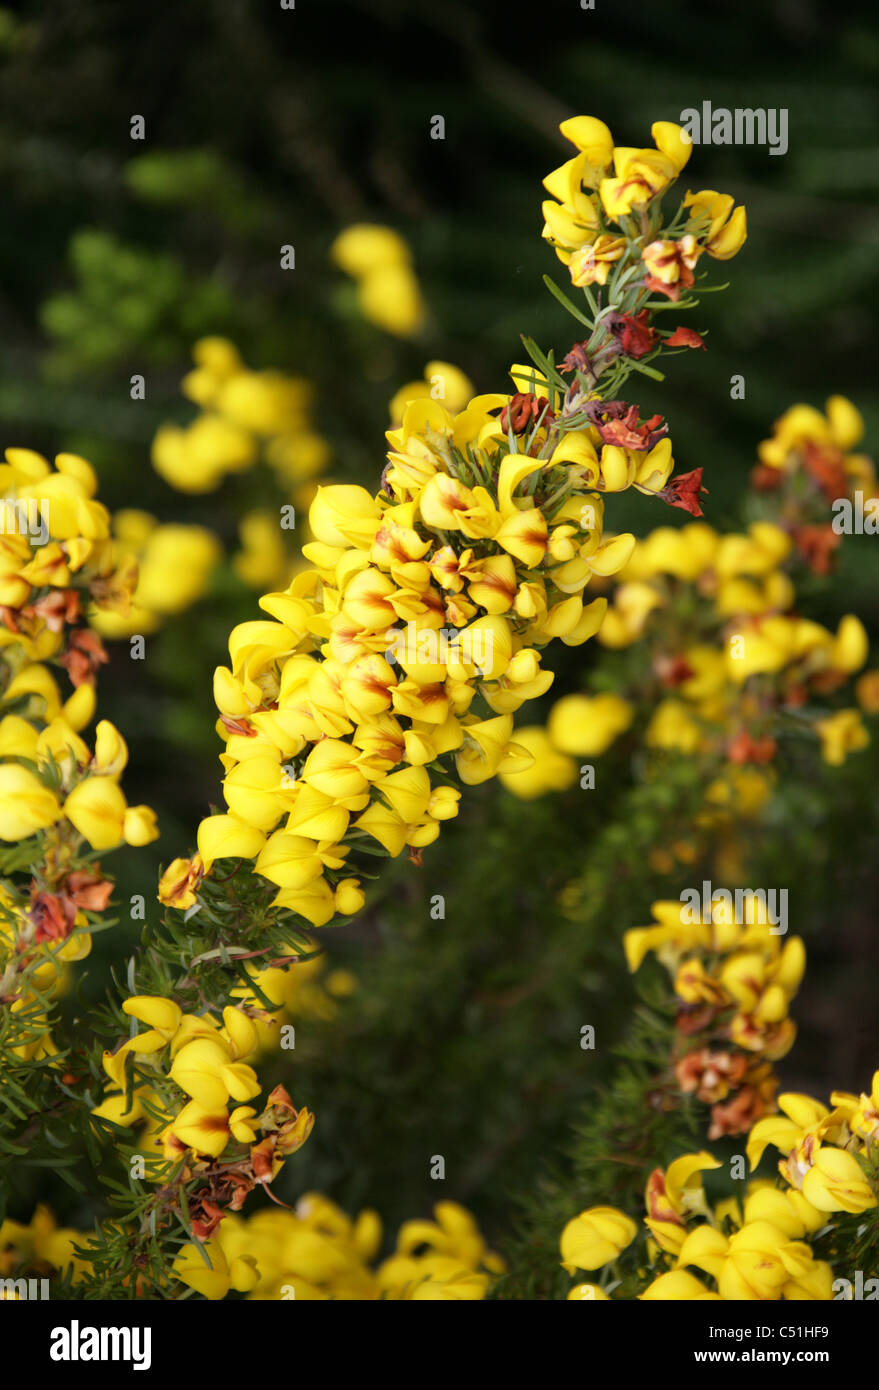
x=837 y=1182
x=727 y=229
x=379 y=259
x=177 y=885
x=784 y=1131
x=592 y=138
x=671 y=262
x=550 y=770
x=595 y=1238
x=757 y=1262
x=26 y=805
x=640 y=176
x=389 y=297
x=841 y=733
x=581 y=724
x=205 y=1070
x=139 y=825
x=344 y=514
x=210 y=1274
x=98 y=810
x=196 y=459
x=442 y=382
x=363 y=246
x=161 y=1015
x=349 y=897
x=591 y=263
x=673 y=726
x=226 y=837
x=678 y=1285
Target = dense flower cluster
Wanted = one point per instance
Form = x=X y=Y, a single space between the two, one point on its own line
x=444 y=587
x=189 y=1084
x=38 y=1248
x=829 y=1153
x=734 y=976
x=174 y=567
x=757 y=659
x=605 y=220
x=60 y=799
x=586 y=198
x=246 y=417
x=442 y=381
x=314 y=1252
x=317 y=1253
x=763 y=1248
x=474 y=555
x=808 y=469
x=726 y=664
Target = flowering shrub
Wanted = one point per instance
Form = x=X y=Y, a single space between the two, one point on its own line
x=61 y=802
x=382 y=682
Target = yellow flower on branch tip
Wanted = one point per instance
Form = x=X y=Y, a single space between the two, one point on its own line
x=678 y=1190
x=204 y=1069
x=442 y=381
x=595 y=1238
x=290 y=861
x=59 y=741
x=118 y=1111
x=673 y=141
x=864 y=1116
x=139 y=826
x=18 y=738
x=670 y=261
x=390 y=298
x=568 y=227
x=785 y=1130
x=787 y=1211
x=315 y=902
x=851 y=646
x=241 y=1032
x=363 y=246
x=592 y=138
